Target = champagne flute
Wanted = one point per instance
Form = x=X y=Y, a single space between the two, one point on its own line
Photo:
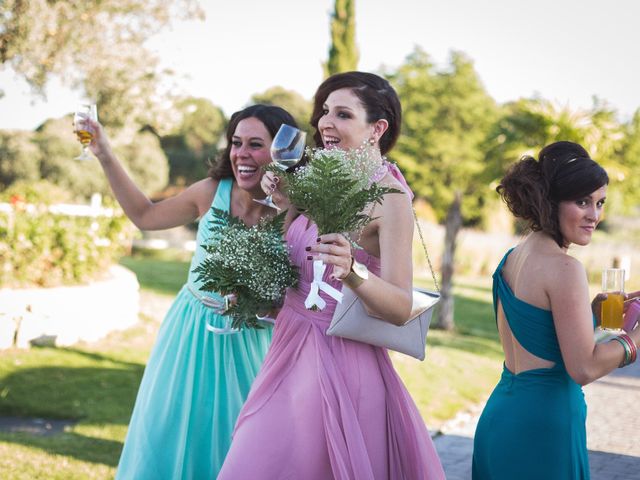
x=82 y=129
x=287 y=150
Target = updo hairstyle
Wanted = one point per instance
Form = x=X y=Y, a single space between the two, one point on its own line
x=533 y=189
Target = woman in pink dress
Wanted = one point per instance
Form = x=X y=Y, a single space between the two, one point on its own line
x=325 y=407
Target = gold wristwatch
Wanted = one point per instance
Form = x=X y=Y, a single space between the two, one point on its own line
x=356 y=275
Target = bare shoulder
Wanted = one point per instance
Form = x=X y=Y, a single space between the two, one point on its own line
x=398 y=200
x=201 y=193
x=206 y=185
x=393 y=215
x=562 y=271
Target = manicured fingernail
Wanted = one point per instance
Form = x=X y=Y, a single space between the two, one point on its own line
x=273 y=185
x=277 y=179
x=309 y=257
x=307 y=249
x=318 y=239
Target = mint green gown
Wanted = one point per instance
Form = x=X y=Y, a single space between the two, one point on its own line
x=194 y=384
x=533 y=425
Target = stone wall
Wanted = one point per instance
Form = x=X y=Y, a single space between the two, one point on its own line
x=63 y=316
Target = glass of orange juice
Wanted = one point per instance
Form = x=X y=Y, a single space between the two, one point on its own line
x=613 y=286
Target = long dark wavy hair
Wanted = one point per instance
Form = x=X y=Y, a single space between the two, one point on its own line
x=270 y=116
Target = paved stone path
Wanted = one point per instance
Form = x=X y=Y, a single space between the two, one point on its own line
x=613 y=430
x=34 y=426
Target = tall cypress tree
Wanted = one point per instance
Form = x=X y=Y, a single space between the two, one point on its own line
x=343 y=54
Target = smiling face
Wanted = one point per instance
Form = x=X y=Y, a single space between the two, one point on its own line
x=249 y=152
x=579 y=218
x=343 y=123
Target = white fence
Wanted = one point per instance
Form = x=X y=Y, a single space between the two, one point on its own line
x=66 y=315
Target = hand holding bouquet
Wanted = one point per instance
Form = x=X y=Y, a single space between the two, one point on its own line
x=335 y=189
x=250 y=262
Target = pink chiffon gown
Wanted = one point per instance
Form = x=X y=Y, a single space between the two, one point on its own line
x=325 y=407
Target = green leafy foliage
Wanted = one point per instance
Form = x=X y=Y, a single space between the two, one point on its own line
x=334 y=189
x=250 y=262
x=294 y=103
x=527 y=125
x=192 y=141
x=48 y=153
x=629 y=161
x=447 y=115
x=39 y=192
x=98 y=46
x=42 y=248
x=145 y=161
x=343 y=54
x=19 y=157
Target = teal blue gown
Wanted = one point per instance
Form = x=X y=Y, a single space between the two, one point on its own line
x=533 y=425
x=194 y=384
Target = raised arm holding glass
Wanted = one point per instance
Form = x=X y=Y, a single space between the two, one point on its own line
x=196 y=379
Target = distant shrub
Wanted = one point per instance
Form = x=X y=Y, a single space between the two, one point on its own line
x=35 y=192
x=41 y=248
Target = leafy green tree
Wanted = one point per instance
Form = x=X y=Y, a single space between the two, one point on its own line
x=447 y=115
x=40 y=192
x=145 y=160
x=193 y=140
x=202 y=123
x=629 y=162
x=125 y=90
x=59 y=147
x=143 y=157
x=19 y=157
x=343 y=53
x=291 y=101
x=97 y=46
x=527 y=125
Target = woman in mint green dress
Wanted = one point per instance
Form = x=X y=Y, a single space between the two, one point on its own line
x=199 y=373
x=533 y=426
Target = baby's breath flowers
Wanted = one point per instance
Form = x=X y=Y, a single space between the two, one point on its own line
x=335 y=187
x=250 y=262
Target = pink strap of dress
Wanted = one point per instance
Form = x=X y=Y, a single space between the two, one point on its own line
x=393 y=169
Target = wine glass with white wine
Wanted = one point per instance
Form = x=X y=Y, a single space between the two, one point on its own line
x=82 y=129
x=287 y=150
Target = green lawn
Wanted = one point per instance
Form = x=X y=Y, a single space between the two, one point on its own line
x=96 y=383
x=165 y=276
x=461 y=367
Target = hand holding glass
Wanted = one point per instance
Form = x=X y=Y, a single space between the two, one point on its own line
x=83 y=130
x=287 y=150
x=613 y=286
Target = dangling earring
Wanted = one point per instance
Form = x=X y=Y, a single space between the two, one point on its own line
x=372 y=141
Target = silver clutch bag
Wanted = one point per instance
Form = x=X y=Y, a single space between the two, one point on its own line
x=351 y=320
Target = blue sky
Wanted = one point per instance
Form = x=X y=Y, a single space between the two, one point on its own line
x=563 y=50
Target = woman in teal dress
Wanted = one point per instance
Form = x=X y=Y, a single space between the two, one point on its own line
x=199 y=373
x=533 y=426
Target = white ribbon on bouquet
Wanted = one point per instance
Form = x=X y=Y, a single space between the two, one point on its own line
x=318 y=284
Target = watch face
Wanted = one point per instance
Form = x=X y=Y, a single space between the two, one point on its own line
x=360 y=270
